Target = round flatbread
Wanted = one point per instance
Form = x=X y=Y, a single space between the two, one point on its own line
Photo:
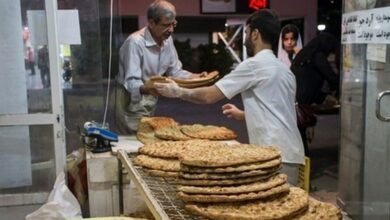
x=209 y=132
x=226 y=182
x=171 y=133
x=210 y=76
x=320 y=210
x=211 y=198
x=161 y=173
x=168 y=149
x=221 y=176
x=228 y=155
x=246 y=188
x=157 y=163
x=283 y=207
x=148 y=138
x=229 y=169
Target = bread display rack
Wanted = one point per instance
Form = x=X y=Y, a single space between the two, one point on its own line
x=159 y=193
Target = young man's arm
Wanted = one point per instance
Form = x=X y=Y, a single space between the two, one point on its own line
x=203 y=95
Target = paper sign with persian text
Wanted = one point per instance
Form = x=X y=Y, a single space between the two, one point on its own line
x=368 y=26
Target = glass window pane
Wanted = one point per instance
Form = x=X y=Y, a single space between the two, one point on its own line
x=24 y=60
x=26 y=159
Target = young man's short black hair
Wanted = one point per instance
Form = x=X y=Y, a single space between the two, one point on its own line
x=267 y=23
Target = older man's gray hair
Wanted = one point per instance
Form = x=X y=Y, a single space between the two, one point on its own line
x=159 y=9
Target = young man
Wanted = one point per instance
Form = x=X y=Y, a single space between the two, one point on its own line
x=148 y=52
x=267 y=88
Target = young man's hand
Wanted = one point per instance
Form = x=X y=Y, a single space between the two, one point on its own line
x=231 y=111
x=170 y=89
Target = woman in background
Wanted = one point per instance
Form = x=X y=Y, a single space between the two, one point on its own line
x=314 y=72
x=290 y=43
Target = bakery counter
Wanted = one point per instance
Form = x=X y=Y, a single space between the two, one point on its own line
x=159 y=193
x=103 y=180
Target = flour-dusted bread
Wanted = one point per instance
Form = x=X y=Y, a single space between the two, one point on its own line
x=161 y=173
x=171 y=133
x=239 y=168
x=169 y=149
x=228 y=155
x=210 y=77
x=260 y=185
x=282 y=207
x=211 y=198
x=209 y=132
x=148 y=125
x=236 y=175
x=159 y=122
x=319 y=211
x=148 y=138
x=157 y=163
x=225 y=182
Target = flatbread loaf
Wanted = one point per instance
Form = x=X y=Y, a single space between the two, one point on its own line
x=159 y=122
x=157 y=163
x=226 y=182
x=161 y=173
x=283 y=207
x=246 y=188
x=210 y=198
x=239 y=168
x=148 y=125
x=198 y=84
x=228 y=155
x=210 y=76
x=210 y=132
x=158 y=79
x=148 y=137
x=320 y=210
x=171 y=133
x=221 y=176
x=168 y=149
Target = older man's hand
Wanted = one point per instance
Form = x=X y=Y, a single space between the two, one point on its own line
x=170 y=89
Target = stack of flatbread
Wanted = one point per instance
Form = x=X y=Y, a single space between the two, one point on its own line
x=230 y=173
x=161 y=158
x=211 y=78
x=156 y=129
x=242 y=182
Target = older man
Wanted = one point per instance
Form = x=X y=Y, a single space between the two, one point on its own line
x=145 y=53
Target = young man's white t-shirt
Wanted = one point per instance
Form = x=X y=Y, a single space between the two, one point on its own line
x=267 y=88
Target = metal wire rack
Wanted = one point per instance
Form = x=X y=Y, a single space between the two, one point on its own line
x=160 y=192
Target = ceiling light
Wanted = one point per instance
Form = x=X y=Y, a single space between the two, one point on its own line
x=321 y=27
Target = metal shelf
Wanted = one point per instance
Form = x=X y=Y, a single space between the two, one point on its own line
x=159 y=193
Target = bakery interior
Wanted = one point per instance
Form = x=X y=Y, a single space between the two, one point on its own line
x=42 y=123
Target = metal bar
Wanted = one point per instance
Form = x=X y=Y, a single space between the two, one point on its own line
x=235 y=34
x=145 y=192
x=120 y=182
x=27 y=119
x=56 y=91
x=229 y=48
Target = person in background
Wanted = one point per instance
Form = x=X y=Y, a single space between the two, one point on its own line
x=267 y=88
x=43 y=65
x=290 y=43
x=31 y=60
x=146 y=53
x=314 y=72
